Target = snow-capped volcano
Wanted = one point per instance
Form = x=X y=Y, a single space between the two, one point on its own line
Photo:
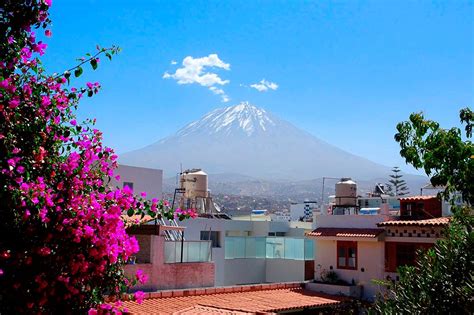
x=247 y=140
x=243 y=117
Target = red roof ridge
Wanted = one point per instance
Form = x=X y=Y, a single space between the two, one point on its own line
x=346 y=232
x=441 y=221
x=416 y=198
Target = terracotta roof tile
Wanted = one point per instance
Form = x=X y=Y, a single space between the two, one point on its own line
x=264 y=301
x=417 y=198
x=346 y=232
x=427 y=222
x=135 y=219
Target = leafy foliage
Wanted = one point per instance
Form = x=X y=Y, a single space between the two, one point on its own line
x=63 y=242
x=443 y=154
x=442 y=281
x=396 y=185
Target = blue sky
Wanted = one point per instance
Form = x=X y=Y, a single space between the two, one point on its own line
x=346 y=71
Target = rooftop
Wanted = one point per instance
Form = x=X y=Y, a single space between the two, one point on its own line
x=251 y=299
x=427 y=222
x=417 y=198
x=346 y=232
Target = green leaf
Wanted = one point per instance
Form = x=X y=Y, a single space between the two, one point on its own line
x=67 y=75
x=130 y=212
x=108 y=55
x=78 y=72
x=93 y=63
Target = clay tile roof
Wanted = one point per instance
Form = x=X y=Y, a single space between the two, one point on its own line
x=242 y=302
x=417 y=198
x=135 y=219
x=346 y=232
x=427 y=222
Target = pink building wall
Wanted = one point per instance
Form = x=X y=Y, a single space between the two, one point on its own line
x=163 y=276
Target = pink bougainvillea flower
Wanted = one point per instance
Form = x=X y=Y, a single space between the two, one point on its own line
x=141 y=276
x=48 y=33
x=139 y=297
x=45 y=100
x=14 y=103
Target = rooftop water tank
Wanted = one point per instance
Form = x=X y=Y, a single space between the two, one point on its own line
x=346 y=193
x=194 y=183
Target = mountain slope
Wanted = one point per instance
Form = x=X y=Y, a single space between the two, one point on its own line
x=250 y=141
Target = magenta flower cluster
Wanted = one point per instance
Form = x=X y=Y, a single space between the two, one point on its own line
x=64 y=242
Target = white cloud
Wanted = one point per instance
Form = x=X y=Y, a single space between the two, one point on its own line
x=174 y=62
x=194 y=71
x=220 y=92
x=264 y=86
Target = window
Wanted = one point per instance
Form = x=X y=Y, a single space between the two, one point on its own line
x=346 y=255
x=406 y=254
x=212 y=236
x=402 y=254
x=128 y=184
x=276 y=234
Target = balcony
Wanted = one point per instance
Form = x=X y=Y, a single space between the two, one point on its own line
x=269 y=248
x=187 y=251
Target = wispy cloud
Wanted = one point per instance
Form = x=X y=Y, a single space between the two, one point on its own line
x=264 y=86
x=194 y=71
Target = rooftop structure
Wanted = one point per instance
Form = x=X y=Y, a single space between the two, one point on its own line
x=252 y=299
x=361 y=244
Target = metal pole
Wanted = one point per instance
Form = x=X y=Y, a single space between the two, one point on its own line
x=182 y=245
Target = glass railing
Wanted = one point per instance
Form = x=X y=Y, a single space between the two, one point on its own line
x=193 y=251
x=269 y=247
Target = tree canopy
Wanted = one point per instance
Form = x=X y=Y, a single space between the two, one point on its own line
x=442 y=281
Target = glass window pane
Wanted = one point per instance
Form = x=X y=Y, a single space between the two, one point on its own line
x=239 y=248
x=229 y=248
x=352 y=252
x=341 y=252
x=342 y=261
x=250 y=247
x=352 y=262
x=260 y=247
x=308 y=249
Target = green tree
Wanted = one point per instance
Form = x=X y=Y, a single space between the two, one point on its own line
x=442 y=281
x=397 y=186
x=446 y=155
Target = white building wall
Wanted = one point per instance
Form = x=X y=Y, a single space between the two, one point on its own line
x=147 y=180
x=350 y=221
x=297 y=210
x=370 y=258
x=284 y=270
x=244 y=271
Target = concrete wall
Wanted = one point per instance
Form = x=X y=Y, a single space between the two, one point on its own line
x=284 y=270
x=350 y=221
x=370 y=257
x=144 y=180
x=171 y=276
x=244 y=271
x=261 y=270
